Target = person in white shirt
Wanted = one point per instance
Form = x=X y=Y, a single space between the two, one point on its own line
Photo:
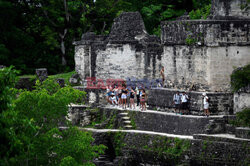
x=205 y=104
x=184 y=103
x=113 y=99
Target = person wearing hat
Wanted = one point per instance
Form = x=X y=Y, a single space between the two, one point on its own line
x=205 y=104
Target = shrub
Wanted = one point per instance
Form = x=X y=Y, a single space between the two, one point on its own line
x=243 y=118
x=200 y=13
x=240 y=78
x=29 y=127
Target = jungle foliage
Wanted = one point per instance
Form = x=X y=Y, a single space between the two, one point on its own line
x=29 y=123
x=38 y=33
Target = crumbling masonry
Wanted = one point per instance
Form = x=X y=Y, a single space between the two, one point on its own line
x=198 y=55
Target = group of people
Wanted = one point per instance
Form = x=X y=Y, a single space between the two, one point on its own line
x=124 y=97
x=181 y=101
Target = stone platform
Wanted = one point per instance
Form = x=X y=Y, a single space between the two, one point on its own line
x=220 y=102
x=137 y=147
x=150 y=120
x=162 y=138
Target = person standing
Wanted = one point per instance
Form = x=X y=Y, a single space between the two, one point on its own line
x=184 y=103
x=108 y=93
x=177 y=101
x=124 y=97
x=132 y=98
x=137 y=95
x=205 y=104
x=128 y=96
x=120 y=96
x=143 y=100
x=113 y=99
x=162 y=76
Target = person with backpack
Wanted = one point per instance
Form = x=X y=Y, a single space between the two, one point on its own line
x=205 y=104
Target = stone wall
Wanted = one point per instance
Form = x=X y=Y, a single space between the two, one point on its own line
x=230 y=9
x=206 y=32
x=220 y=103
x=127 y=52
x=147 y=121
x=204 y=52
x=200 y=53
x=138 y=148
x=242 y=99
x=169 y=123
x=94 y=97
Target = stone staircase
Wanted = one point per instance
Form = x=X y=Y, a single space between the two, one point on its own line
x=103 y=160
x=125 y=120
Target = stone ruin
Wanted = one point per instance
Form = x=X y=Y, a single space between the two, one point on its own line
x=128 y=51
x=198 y=55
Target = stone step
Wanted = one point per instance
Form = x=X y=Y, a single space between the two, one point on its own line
x=109 y=164
x=243 y=132
x=221 y=138
x=100 y=163
x=125 y=118
x=128 y=127
x=103 y=158
x=123 y=114
x=127 y=122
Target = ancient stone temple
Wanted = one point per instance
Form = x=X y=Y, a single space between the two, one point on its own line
x=128 y=51
x=204 y=53
x=198 y=55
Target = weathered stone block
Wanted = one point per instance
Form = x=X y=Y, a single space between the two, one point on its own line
x=61 y=82
x=42 y=74
x=26 y=83
x=241 y=101
x=196 y=54
x=2 y=66
x=243 y=132
x=230 y=9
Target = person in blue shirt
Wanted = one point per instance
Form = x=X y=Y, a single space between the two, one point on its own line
x=177 y=102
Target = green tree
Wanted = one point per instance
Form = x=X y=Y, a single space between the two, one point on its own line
x=62 y=21
x=29 y=126
x=38 y=33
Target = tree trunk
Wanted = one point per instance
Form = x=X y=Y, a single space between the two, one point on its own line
x=64 y=62
x=62 y=36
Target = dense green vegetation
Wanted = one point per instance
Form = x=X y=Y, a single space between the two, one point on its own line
x=37 y=33
x=240 y=78
x=200 y=13
x=29 y=123
x=242 y=118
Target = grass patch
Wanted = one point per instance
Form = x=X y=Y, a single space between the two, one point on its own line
x=65 y=76
x=27 y=76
